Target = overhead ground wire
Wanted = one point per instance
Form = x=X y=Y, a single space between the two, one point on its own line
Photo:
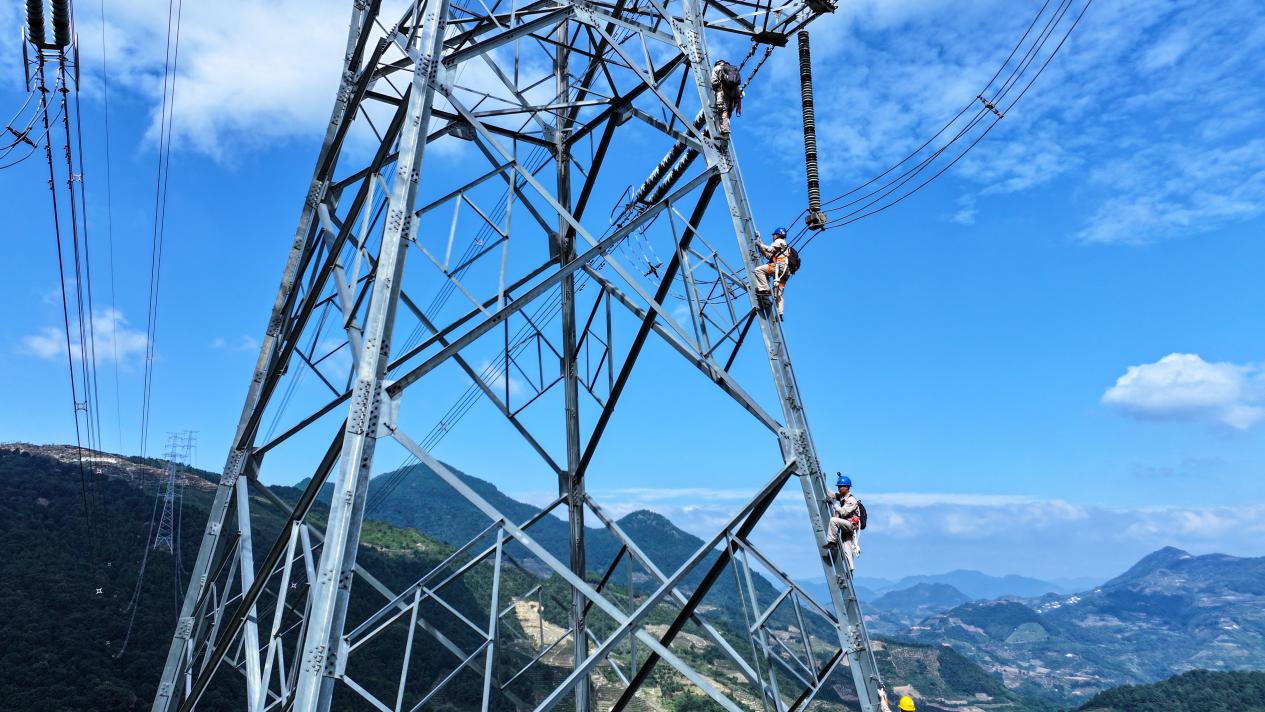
x=109 y=203
x=175 y=10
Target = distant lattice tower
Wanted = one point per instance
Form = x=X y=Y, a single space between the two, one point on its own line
x=179 y=445
x=526 y=294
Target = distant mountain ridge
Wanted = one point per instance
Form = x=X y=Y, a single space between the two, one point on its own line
x=978 y=585
x=921 y=598
x=421 y=500
x=1169 y=613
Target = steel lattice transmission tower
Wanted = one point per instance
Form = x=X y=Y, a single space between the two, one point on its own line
x=179 y=447
x=524 y=293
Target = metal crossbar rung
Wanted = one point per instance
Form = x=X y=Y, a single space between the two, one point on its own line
x=536 y=659
x=759 y=622
x=797 y=661
x=434 y=691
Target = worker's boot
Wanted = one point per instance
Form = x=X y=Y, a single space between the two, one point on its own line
x=764 y=299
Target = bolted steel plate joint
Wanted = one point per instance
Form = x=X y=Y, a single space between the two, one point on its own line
x=234 y=468
x=184 y=628
x=330 y=669
x=390 y=415
x=857 y=642
x=362 y=404
x=315 y=192
x=316 y=659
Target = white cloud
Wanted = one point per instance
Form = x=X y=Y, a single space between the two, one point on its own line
x=333 y=358
x=966 y=212
x=1185 y=387
x=494 y=377
x=1204 y=187
x=249 y=72
x=242 y=344
x=112 y=339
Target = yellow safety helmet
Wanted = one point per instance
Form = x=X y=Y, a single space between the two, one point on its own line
x=906 y=704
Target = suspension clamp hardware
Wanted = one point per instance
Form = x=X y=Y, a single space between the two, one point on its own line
x=990 y=106
x=769 y=37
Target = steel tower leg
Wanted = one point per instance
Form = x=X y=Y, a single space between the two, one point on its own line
x=267 y=367
x=795 y=437
x=571 y=483
x=370 y=414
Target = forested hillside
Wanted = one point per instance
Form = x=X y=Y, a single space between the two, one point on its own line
x=1196 y=691
x=65 y=641
x=70 y=582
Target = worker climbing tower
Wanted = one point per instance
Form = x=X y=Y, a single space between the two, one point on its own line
x=451 y=249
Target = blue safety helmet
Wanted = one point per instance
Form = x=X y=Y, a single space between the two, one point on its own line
x=780 y=232
x=843 y=481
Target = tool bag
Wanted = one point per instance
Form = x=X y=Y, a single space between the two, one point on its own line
x=792 y=260
x=730 y=77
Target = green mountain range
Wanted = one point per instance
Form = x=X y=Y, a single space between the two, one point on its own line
x=1195 y=691
x=79 y=634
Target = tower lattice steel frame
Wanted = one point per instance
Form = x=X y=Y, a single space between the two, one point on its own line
x=179 y=447
x=514 y=92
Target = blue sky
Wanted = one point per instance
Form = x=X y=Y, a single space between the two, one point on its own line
x=1048 y=362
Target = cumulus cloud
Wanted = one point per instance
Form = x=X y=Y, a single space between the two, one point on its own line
x=112 y=339
x=248 y=72
x=1186 y=387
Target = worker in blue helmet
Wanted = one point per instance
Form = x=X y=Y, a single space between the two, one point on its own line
x=782 y=261
x=845 y=520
